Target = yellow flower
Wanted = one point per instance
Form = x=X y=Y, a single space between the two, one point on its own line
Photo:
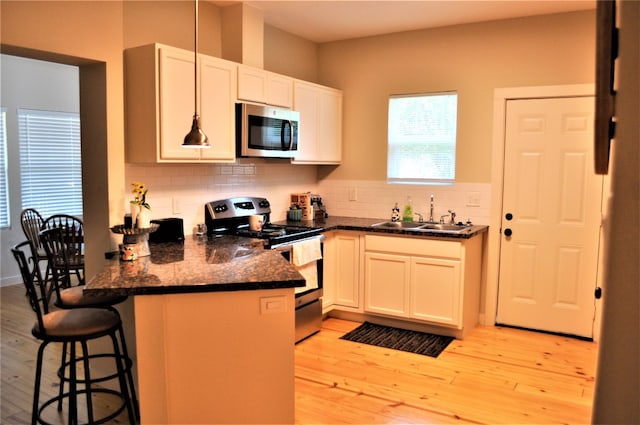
x=140 y=191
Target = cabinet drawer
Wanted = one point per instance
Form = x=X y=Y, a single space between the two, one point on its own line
x=413 y=246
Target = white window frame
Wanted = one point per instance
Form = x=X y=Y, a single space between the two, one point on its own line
x=5 y=217
x=50 y=161
x=421 y=138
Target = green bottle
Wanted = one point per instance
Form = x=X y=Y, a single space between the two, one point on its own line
x=407 y=214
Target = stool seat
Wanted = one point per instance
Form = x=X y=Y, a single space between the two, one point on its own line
x=66 y=325
x=74 y=297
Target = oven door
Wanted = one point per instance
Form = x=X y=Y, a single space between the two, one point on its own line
x=308 y=303
x=267 y=131
x=312 y=291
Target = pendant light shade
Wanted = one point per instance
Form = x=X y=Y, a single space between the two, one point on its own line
x=196 y=137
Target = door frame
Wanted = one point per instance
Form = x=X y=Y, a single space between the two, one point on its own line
x=500 y=98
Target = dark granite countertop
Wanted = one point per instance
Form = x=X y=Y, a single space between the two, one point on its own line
x=199 y=264
x=364 y=225
x=227 y=263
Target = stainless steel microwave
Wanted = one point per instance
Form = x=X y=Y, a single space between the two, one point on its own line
x=266 y=131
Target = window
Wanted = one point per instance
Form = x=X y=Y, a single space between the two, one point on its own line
x=422 y=138
x=50 y=162
x=4 y=185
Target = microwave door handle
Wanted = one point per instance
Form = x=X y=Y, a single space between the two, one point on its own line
x=286 y=124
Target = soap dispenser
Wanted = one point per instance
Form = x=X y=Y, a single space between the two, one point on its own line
x=407 y=214
x=395 y=213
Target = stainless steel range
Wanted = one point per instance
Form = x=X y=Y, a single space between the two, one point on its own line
x=231 y=217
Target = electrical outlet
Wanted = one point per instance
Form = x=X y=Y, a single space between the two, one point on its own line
x=473 y=199
x=176 y=206
x=269 y=305
x=353 y=194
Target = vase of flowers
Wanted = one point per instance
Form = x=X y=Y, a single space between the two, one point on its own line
x=140 y=209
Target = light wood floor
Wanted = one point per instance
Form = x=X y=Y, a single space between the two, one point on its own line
x=496 y=375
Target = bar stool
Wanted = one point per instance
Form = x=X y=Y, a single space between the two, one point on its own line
x=61 y=254
x=73 y=327
x=72 y=234
x=31 y=222
x=65 y=257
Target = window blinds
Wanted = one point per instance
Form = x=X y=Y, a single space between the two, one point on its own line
x=4 y=185
x=50 y=162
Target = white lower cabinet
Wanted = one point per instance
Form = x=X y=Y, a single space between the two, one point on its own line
x=435 y=290
x=413 y=287
x=434 y=281
x=386 y=284
x=342 y=271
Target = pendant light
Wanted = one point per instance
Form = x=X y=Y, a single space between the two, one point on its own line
x=196 y=137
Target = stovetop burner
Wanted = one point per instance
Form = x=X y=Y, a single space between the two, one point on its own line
x=277 y=235
x=268 y=231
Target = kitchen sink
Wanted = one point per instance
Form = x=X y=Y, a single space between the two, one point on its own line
x=399 y=224
x=447 y=227
x=415 y=226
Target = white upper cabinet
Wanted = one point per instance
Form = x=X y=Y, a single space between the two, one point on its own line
x=320 y=136
x=159 y=107
x=258 y=85
x=159 y=98
x=217 y=100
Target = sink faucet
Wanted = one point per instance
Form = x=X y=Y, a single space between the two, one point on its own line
x=431 y=210
x=453 y=216
x=420 y=218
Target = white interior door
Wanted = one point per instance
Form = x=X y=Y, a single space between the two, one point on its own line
x=551 y=216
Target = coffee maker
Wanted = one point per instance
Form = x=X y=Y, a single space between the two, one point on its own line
x=319 y=210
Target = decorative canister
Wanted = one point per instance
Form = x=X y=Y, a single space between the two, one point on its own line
x=128 y=252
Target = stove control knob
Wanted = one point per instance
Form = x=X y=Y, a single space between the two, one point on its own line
x=220 y=208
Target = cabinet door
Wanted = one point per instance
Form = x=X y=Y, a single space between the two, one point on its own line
x=306 y=103
x=279 y=90
x=217 y=113
x=252 y=84
x=435 y=290
x=329 y=265
x=320 y=123
x=386 y=283
x=176 y=108
x=347 y=257
x=329 y=142
x=258 y=85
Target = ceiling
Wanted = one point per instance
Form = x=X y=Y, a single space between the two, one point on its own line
x=325 y=21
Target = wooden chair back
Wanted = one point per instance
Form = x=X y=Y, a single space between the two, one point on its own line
x=31 y=222
x=24 y=255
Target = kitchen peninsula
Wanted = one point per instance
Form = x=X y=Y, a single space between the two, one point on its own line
x=214 y=325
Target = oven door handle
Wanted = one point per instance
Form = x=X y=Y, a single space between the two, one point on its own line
x=288 y=246
x=283 y=248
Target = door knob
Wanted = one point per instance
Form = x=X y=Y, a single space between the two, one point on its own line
x=508 y=232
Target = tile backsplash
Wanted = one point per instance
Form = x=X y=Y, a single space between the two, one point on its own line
x=181 y=190
x=375 y=199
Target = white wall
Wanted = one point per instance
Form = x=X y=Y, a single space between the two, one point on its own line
x=31 y=84
x=617 y=391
